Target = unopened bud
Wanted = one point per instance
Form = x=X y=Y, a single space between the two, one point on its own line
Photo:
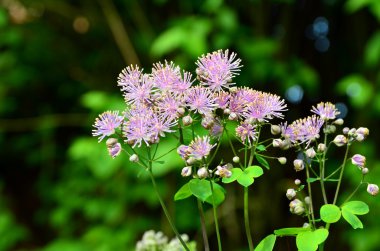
x=202 y=172
x=306 y=225
x=187 y=120
x=227 y=111
x=340 y=140
x=352 y=131
x=186 y=171
x=363 y=130
x=114 y=150
x=236 y=159
x=359 y=137
x=191 y=161
x=285 y=145
x=339 y=122
x=134 y=158
x=291 y=193
x=207 y=122
x=372 y=189
x=275 y=129
x=330 y=129
x=358 y=160
x=307 y=200
x=181 y=111
x=232 y=116
x=111 y=142
x=345 y=130
x=365 y=170
x=310 y=153
x=299 y=210
x=298 y=165
x=282 y=160
x=277 y=143
x=321 y=148
x=297 y=182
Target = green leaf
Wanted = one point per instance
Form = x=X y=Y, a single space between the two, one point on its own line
x=219 y=194
x=261 y=148
x=183 y=193
x=262 y=161
x=267 y=243
x=200 y=188
x=236 y=172
x=309 y=241
x=352 y=219
x=311 y=180
x=330 y=213
x=245 y=180
x=356 y=207
x=254 y=171
x=291 y=231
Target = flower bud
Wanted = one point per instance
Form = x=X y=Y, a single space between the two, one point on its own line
x=111 y=142
x=372 y=189
x=275 y=129
x=298 y=165
x=294 y=203
x=183 y=151
x=202 y=172
x=207 y=122
x=310 y=153
x=282 y=160
x=191 y=160
x=187 y=120
x=358 y=160
x=186 y=171
x=299 y=210
x=114 y=150
x=329 y=129
x=297 y=182
x=291 y=193
x=340 y=140
x=363 y=131
x=321 y=148
x=227 y=111
x=236 y=159
x=365 y=170
x=307 y=200
x=134 y=158
x=285 y=145
x=359 y=137
x=339 y=122
x=232 y=116
x=345 y=130
x=223 y=171
x=352 y=131
x=277 y=143
x=306 y=225
x=180 y=111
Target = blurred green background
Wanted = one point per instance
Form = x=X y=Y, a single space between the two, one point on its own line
x=59 y=61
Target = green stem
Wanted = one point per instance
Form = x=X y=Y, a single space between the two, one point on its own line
x=310 y=194
x=246 y=219
x=356 y=189
x=203 y=225
x=322 y=172
x=215 y=217
x=166 y=212
x=341 y=175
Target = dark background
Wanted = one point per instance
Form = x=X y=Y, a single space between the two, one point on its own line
x=59 y=62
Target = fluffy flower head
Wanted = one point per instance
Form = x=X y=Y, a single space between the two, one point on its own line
x=106 y=124
x=200 y=147
x=325 y=111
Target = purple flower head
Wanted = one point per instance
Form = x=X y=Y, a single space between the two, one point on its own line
x=217 y=69
x=201 y=100
x=114 y=150
x=167 y=105
x=264 y=106
x=224 y=171
x=136 y=86
x=200 y=147
x=216 y=129
x=246 y=131
x=326 y=110
x=106 y=124
x=238 y=102
x=183 y=151
x=165 y=76
x=143 y=125
x=303 y=130
x=183 y=84
x=222 y=99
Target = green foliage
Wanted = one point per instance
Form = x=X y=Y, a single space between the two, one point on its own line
x=292 y=231
x=353 y=208
x=262 y=161
x=330 y=213
x=309 y=240
x=267 y=243
x=244 y=177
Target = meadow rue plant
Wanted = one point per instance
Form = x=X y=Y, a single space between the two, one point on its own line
x=168 y=102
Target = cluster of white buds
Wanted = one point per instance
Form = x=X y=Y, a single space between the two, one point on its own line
x=187 y=120
x=296 y=207
x=356 y=134
x=310 y=153
x=282 y=144
x=291 y=193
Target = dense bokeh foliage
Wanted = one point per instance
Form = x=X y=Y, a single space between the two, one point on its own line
x=59 y=60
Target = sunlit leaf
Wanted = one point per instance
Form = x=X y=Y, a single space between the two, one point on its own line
x=183 y=193
x=267 y=244
x=356 y=207
x=330 y=213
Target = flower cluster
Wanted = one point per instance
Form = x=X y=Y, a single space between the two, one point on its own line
x=157 y=241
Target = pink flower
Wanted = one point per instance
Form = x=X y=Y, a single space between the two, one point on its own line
x=200 y=99
x=165 y=76
x=217 y=69
x=326 y=111
x=358 y=160
x=106 y=124
x=200 y=147
x=246 y=131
